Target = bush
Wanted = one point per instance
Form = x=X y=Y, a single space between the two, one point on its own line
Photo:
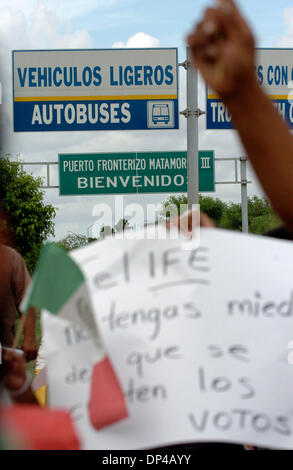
x=26 y=220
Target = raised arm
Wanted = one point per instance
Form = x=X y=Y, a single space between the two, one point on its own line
x=223 y=49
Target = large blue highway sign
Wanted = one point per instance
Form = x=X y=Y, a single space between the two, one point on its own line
x=274 y=70
x=110 y=89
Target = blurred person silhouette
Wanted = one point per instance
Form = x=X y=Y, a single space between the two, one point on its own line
x=24 y=424
x=14 y=281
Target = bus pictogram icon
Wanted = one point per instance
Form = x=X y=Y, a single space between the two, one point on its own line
x=160 y=114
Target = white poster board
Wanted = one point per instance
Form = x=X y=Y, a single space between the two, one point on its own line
x=199 y=340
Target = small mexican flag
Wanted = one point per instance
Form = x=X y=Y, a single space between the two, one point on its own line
x=59 y=286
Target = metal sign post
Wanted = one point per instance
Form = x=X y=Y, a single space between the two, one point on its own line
x=192 y=113
x=244 y=204
x=192 y=134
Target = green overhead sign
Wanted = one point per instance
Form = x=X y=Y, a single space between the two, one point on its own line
x=133 y=172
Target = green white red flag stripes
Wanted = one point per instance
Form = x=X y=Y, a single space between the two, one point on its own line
x=59 y=287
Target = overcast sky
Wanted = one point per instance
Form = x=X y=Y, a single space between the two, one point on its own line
x=61 y=24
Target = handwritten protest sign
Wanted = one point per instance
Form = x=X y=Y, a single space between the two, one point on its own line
x=199 y=340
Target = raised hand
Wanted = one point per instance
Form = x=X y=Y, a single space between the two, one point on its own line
x=222 y=46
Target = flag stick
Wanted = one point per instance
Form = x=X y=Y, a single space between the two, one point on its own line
x=19 y=331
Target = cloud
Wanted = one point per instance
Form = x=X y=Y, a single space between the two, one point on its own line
x=286 y=40
x=70 y=9
x=138 y=40
x=29 y=24
x=41 y=29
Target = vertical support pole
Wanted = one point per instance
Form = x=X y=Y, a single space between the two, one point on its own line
x=236 y=170
x=192 y=133
x=244 y=205
x=48 y=175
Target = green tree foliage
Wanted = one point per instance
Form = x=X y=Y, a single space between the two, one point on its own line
x=232 y=217
x=261 y=216
x=27 y=220
x=122 y=224
x=74 y=240
x=107 y=230
x=228 y=215
x=264 y=223
x=212 y=207
x=174 y=205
